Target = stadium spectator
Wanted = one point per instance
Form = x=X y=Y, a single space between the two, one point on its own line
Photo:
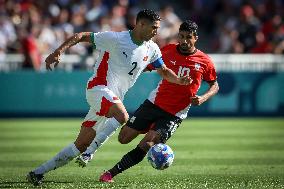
x=262 y=44
x=227 y=26
x=279 y=49
x=30 y=48
x=169 y=25
x=248 y=26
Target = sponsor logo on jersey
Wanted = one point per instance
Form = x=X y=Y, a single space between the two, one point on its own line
x=145 y=58
x=115 y=98
x=197 y=66
x=124 y=54
x=173 y=62
x=132 y=119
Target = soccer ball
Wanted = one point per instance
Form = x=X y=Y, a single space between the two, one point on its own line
x=160 y=156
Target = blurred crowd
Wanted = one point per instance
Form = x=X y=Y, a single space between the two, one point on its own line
x=36 y=27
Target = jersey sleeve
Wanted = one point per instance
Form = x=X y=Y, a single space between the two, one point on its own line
x=104 y=40
x=158 y=63
x=210 y=73
x=156 y=58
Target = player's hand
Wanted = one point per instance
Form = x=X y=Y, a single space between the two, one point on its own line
x=185 y=80
x=197 y=100
x=53 y=58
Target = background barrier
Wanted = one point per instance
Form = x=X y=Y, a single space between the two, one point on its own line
x=258 y=91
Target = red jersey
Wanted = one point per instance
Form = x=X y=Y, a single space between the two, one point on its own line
x=175 y=98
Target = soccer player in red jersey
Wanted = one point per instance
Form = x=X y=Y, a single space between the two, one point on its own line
x=161 y=114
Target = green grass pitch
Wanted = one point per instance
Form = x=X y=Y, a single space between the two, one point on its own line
x=209 y=153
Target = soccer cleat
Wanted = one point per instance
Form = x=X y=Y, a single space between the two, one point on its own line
x=35 y=179
x=106 y=177
x=83 y=159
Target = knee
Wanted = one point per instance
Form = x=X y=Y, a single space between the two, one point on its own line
x=146 y=145
x=149 y=140
x=123 y=139
x=122 y=117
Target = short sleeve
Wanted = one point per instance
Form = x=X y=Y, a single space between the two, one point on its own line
x=210 y=72
x=104 y=40
x=156 y=53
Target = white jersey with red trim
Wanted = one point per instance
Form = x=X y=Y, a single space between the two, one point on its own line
x=174 y=98
x=121 y=61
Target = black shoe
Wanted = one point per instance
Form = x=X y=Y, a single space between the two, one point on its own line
x=35 y=179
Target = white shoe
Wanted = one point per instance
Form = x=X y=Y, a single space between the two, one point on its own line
x=83 y=159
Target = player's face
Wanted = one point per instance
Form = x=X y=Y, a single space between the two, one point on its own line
x=186 y=41
x=149 y=29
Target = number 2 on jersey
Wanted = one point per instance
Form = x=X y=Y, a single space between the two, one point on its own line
x=131 y=71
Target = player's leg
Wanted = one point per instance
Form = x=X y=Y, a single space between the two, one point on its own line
x=161 y=132
x=117 y=116
x=133 y=157
x=127 y=134
x=66 y=155
x=84 y=139
x=112 y=108
x=141 y=121
x=102 y=136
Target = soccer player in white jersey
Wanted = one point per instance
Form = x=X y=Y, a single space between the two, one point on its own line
x=123 y=56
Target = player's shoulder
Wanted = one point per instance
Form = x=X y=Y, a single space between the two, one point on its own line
x=203 y=55
x=115 y=33
x=153 y=47
x=105 y=34
x=152 y=44
x=122 y=33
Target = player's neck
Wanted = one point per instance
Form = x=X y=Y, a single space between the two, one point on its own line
x=135 y=37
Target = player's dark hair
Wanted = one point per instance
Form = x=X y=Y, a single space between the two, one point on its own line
x=148 y=15
x=189 y=26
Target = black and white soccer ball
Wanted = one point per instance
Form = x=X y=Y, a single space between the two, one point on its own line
x=160 y=156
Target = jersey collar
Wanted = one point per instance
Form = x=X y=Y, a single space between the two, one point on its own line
x=133 y=40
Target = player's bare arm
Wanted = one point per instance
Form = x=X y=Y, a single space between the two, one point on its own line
x=170 y=76
x=76 y=38
x=213 y=89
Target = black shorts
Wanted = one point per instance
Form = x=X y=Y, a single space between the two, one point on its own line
x=149 y=116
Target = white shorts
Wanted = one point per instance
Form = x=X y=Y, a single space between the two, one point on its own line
x=100 y=99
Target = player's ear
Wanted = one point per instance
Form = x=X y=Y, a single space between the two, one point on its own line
x=196 y=37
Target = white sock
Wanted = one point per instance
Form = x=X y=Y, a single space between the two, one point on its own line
x=103 y=135
x=62 y=158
